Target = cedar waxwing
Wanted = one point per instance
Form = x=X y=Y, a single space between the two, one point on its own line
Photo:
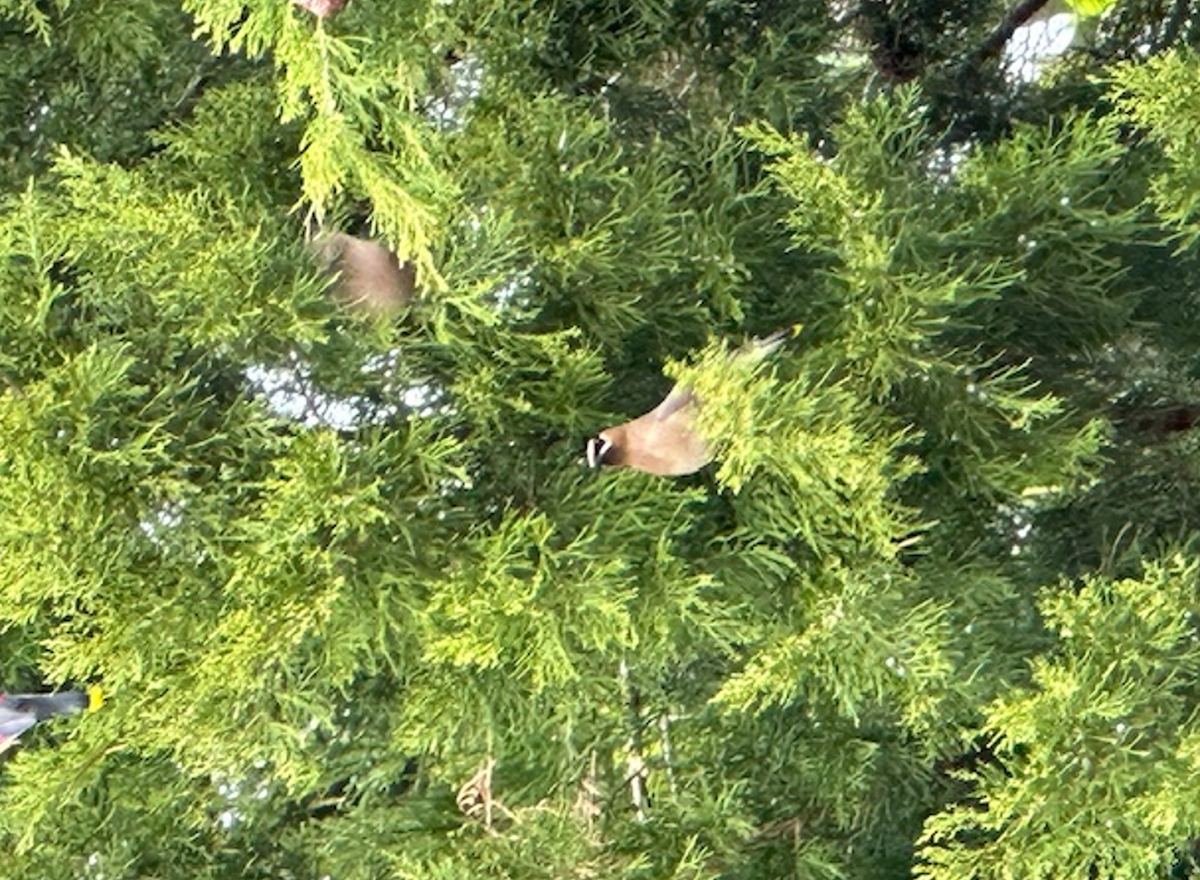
x=19 y=712
x=664 y=441
x=370 y=278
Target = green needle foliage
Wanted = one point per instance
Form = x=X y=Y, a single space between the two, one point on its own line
x=1102 y=737
x=359 y=608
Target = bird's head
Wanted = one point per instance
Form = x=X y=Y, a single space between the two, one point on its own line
x=601 y=451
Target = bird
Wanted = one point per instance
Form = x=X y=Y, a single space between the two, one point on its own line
x=322 y=8
x=664 y=441
x=369 y=278
x=19 y=712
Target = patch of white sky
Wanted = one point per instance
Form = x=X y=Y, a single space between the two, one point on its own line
x=166 y=517
x=1020 y=527
x=1031 y=47
x=291 y=393
x=450 y=111
x=232 y=792
x=510 y=294
x=1034 y=45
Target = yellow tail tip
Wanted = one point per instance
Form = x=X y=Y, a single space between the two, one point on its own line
x=95 y=698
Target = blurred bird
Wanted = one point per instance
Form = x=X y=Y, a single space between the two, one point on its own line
x=19 y=712
x=321 y=8
x=664 y=441
x=370 y=279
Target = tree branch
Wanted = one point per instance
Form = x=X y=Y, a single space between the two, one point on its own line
x=635 y=771
x=1172 y=26
x=994 y=44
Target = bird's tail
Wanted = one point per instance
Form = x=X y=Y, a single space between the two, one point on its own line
x=43 y=706
x=765 y=345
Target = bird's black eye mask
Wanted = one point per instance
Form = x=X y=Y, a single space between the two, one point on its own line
x=597 y=451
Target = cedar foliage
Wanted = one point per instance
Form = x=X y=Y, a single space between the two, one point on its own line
x=359 y=610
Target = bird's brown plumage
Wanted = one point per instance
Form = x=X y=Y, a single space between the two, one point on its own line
x=370 y=278
x=322 y=8
x=665 y=441
x=662 y=442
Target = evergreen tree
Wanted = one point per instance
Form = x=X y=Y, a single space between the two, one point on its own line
x=358 y=608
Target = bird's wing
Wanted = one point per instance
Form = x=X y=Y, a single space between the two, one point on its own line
x=673 y=402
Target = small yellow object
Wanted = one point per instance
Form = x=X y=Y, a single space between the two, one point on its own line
x=95 y=697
